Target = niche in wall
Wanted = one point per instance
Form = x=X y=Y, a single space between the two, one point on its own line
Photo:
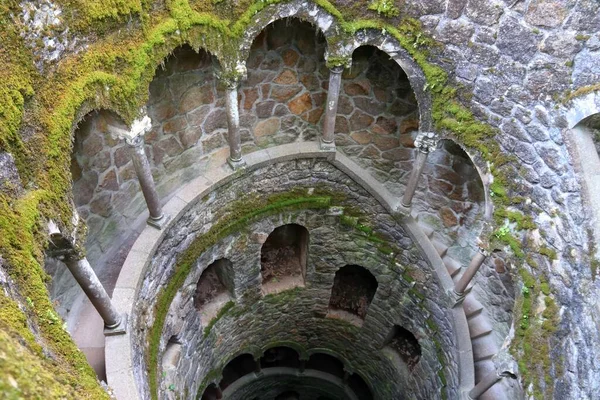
x=403 y=342
x=360 y=388
x=242 y=365
x=214 y=288
x=353 y=290
x=280 y=357
x=326 y=363
x=212 y=392
x=283 y=258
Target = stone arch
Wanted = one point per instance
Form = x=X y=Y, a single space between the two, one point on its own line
x=284 y=255
x=320 y=350
x=212 y=392
x=306 y=11
x=106 y=191
x=354 y=288
x=377 y=121
x=302 y=352
x=585 y=151
x=388 y=44
x=405 y=344
x=451 y=177
x=238 y=367
x=280 y=356
x=360 y=387
x=283 y=97
x=214 y=288
x=326 y=363
x=189 y=124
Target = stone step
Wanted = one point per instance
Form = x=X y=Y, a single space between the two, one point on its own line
x=484 y=348
x=427 y=230
x=496 y=392
x=479 y=326
x=440 y=247
x=472 y=307
x=452 y=266
x=482 y=368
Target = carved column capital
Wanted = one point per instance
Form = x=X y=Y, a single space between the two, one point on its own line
x=336 y=69
x=134 y=135
x=426 y=142
x=232 y=77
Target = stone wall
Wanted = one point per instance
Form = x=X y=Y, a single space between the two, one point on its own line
x=282 y=100
x=408 y=292
x=376 y=125
x=519 y=59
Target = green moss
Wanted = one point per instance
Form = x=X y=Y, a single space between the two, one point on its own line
x=222 y=312
x=524 y=222
x=384 y=7
x=532 y=343
x=238 y=216
x=548 y=252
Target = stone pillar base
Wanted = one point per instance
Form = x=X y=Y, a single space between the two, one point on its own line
x=326 y=146
x=159 y=223
x=120 y=329
x=236 y=164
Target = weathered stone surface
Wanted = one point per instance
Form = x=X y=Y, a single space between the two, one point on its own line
x=516 y=40
x=217 y=119
x=300 y=104
x=267 y=127
x=10 y=182
x=284 y=93
x=549 y=13
x=195 y=97
x=484 y=12
x=287 y=77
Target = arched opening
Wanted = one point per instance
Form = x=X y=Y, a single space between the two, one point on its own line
x=283 y=258
x=242 y=365
x=283 y=99
x=326 y=363
x=378 y=117
x=288 y=395
x=212 y=392
x=214 y=288
x=360 y=387
x=451 y=197
x=280 y=357
x=586 y=140
x=405 y=344
x=353 y=290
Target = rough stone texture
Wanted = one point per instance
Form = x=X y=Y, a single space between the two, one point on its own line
x=517 y=58
x=408 y=293
x=287 y=80
x=10 y=182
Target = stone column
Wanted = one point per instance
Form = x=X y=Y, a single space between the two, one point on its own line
x=302 y=366
x=333 y=95
x=134 y=137
x=257 y=367
x=233 y=124
x=469 y=274
x=425 y=142
x=89 y=282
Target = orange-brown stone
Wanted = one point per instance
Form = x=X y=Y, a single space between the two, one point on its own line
x=287 y=77
x=300 y=104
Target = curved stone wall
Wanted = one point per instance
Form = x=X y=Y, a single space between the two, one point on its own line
x=408 y=294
